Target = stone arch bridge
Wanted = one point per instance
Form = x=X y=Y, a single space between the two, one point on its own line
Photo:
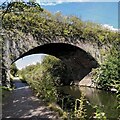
x=79 y=56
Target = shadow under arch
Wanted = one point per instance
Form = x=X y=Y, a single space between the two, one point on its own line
x=78 y=61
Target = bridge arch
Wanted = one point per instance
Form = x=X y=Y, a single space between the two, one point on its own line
x=77 y=60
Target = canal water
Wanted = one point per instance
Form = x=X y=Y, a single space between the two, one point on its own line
x=105 y=101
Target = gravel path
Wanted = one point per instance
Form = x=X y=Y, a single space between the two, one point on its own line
x=21 y=103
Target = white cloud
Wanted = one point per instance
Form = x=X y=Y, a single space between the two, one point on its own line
x=110 y=27
x=33 y=63
x=54 y=2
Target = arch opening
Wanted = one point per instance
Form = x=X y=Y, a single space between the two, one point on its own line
x=78 y=61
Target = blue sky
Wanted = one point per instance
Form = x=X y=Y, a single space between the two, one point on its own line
x=31 y=59
x=100 y=12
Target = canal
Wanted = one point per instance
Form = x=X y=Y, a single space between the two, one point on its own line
x=104 y=100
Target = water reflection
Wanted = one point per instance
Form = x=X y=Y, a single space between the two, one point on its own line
x=106 y=101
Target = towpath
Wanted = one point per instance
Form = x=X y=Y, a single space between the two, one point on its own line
x=21 y=103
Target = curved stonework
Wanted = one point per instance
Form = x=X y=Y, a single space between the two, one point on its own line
x=79 y=55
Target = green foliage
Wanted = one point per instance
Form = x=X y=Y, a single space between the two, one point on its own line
x=57 y=109
x=107 y=75
x=20 y=6
x=44 y=77
x=57 y=69
x=73 y=108
x=99 y=115
x=31 y=18
x=13 y=69
x=80 y=111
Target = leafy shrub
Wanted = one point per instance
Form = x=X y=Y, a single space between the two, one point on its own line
x=45 y=77
x=99 y=115
x=107 y=75
x=31 y=18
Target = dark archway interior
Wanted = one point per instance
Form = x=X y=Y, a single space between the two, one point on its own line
x=55 y=49
x=78 y=61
